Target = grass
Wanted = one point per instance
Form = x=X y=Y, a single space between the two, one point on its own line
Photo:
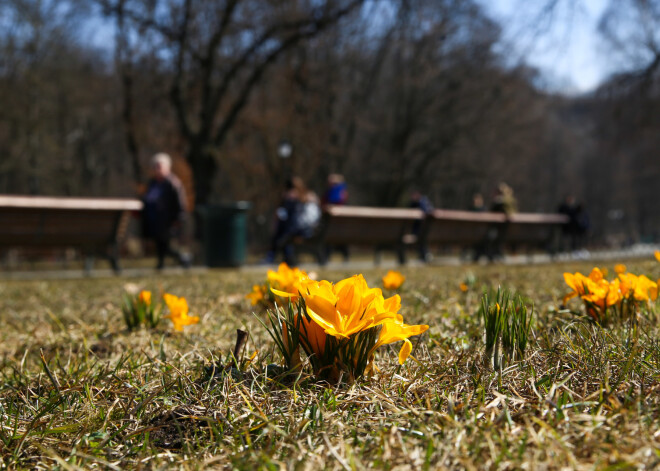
x=78 y=390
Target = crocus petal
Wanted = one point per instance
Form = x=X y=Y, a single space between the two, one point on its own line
x=328 y=327
x=145 y=297
x=325 y=310
x=571 y=281
x=569 y=296
x=393 y=304
x=393 y=331
x=284 y=294
x=349 y=300
x=393 y=279
x=404 y=353
x=596 y=274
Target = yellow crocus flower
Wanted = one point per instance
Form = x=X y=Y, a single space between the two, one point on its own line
x=179 y=312
x=393 y=280
x=348 y=308
x=287 y=279
x=581 y=284
x=645 y=290
x=577 y=283
x=145 y=297
x=639 y=287
x=256 y=295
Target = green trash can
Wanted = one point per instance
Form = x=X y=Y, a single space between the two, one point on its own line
x=224 y=233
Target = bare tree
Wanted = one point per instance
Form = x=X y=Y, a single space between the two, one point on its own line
x=54 y=131
x=217 y=52
x=629 y=105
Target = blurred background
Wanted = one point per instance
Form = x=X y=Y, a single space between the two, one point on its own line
x=446 y=97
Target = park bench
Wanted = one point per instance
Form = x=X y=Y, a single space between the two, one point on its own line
x=378 y=228
x=462 y=228
x=95 y=226
x=488 y=232
x=400 y=228
x=535 y=231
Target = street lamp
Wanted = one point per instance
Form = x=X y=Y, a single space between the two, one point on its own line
x=284 y=149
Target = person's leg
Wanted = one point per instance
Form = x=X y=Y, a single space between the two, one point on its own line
x=290 y=254
x=343 y=249
x=285 y=244
x=491 y=244
x=276 y=241
x=162 y=249
x=176 y=255
x=180 y=258
x=424 y=254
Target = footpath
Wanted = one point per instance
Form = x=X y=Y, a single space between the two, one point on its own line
x=639 y=251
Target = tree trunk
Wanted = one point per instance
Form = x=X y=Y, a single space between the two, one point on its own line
x=204 y=169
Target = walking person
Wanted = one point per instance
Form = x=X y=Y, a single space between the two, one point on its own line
x=419 y=201
x=164 y=209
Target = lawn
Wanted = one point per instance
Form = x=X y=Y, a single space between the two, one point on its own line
x=79 y=390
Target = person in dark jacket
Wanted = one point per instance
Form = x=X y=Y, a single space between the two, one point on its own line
x=419 y=201
x=164 y=209
x=336 y=193
x=575 y=231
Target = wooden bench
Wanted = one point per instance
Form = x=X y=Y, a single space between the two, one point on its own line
x=95 y=226
x=487 y=232
x=399 y=228
x=463 y=228
x=378 y=228
x=535 y=231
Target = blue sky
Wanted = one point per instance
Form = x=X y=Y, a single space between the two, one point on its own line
x=568 y=50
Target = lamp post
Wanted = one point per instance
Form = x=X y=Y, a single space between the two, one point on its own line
x=285 y=151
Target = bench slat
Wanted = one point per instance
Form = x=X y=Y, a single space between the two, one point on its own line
x=53 y=202
x=409 y=214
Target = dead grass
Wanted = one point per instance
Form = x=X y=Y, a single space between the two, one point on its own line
x=80 y=391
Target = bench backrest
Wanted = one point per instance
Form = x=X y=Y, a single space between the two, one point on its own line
x=366 y=225
x=446 y=226
x=63 y=222
x=466 y=227
x=532 y=228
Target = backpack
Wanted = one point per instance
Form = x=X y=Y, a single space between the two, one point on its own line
x=309 y=215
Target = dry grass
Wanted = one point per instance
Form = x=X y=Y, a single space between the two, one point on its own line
x=101 y=396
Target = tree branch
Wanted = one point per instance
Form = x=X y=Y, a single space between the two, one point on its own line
x=176 y=92
x=311 y=29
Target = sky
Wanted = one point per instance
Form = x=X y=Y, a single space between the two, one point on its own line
x=566 y=47
x=568 y=51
